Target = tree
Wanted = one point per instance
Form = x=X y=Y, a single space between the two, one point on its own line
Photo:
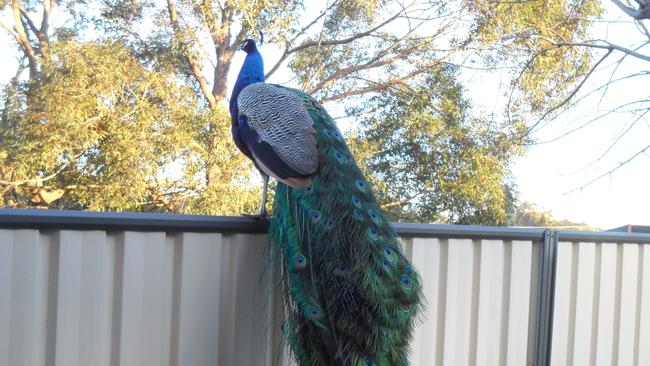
x=620 y=62
x=528 y=214
x=431 y=159
x=100 y=129
x=363 y=55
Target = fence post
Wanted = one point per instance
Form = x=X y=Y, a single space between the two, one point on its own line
x=545 y=299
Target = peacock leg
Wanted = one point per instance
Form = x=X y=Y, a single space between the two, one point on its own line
x=262 y=215
x=263 y=212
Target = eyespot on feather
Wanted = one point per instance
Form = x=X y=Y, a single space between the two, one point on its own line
x=341 y=270
x=407 y=283
x=313 y=313
x=389 y=253
x=315 y=216
x=339 y=157
x=361 y=185
x=374 y=217
x=373 y=234
x=356 y=201
x=300 y=262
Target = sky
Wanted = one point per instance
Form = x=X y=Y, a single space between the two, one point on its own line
x=550 y=174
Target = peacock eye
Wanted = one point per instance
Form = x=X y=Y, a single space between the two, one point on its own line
x=300 y=262
x=315 y=216
x=243 y=45
x=356 y=201
x=407 y=283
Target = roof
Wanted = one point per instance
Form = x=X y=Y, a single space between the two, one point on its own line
x=629 y=228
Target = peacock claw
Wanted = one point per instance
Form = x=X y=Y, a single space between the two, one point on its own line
x=262 y=216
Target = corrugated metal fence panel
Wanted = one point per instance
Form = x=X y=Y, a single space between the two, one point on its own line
x=479 y=305
x=132 y=298
x=116 y=298
x=602 y=304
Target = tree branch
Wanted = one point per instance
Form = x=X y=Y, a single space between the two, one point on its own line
x=402 y=201
x=620 y=165
x=315 y=20
x=28 y=20
x=194 y=67
x=23 y=41
x=374 y=62
x=620 y=136
x=590 y=121
x=333 y=42
x=45 y=25
x=285 y=53
x=35 y=180
x=205 y=9
x=605 y=46
x=642 y=13
x=571 y=95
x=628 y=10
x=220 y=33
x=10 y=30
x=352 y=38
x=380 y=86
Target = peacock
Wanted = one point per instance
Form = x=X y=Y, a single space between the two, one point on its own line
x=351 y=297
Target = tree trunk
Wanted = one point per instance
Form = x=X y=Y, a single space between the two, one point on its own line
x=220 y=85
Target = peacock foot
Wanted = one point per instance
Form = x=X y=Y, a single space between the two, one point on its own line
x=261 y=216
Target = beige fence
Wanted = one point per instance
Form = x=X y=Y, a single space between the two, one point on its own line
x=108 y=295
x=602 y=304
x=479 y=302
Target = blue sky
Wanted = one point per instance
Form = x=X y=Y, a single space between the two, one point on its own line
x=549 y=170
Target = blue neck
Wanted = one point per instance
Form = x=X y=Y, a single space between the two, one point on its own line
x=252 y=71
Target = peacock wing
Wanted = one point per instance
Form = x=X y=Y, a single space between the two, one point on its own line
x=278 y=130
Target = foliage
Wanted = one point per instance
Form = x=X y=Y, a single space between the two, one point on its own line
x=528 y=214
x=527 y=31
x=430 y=159
x=110 y=129
x=122 y=107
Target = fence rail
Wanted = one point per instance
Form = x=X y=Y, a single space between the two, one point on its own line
x=81 y=288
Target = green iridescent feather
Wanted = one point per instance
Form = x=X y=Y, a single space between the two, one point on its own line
x=351 y=297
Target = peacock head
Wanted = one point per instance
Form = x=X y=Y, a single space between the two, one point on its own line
x=248 y=46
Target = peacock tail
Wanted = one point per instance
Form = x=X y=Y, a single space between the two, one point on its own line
x=351 y=297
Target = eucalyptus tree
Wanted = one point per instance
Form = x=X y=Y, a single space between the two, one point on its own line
x=120 y=104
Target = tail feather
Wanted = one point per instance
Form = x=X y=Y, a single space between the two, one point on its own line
x=350 y=295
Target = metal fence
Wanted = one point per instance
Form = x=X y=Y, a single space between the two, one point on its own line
x=80 y=288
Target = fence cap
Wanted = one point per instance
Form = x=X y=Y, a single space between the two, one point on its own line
x=141 y=221
x=135 y=221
